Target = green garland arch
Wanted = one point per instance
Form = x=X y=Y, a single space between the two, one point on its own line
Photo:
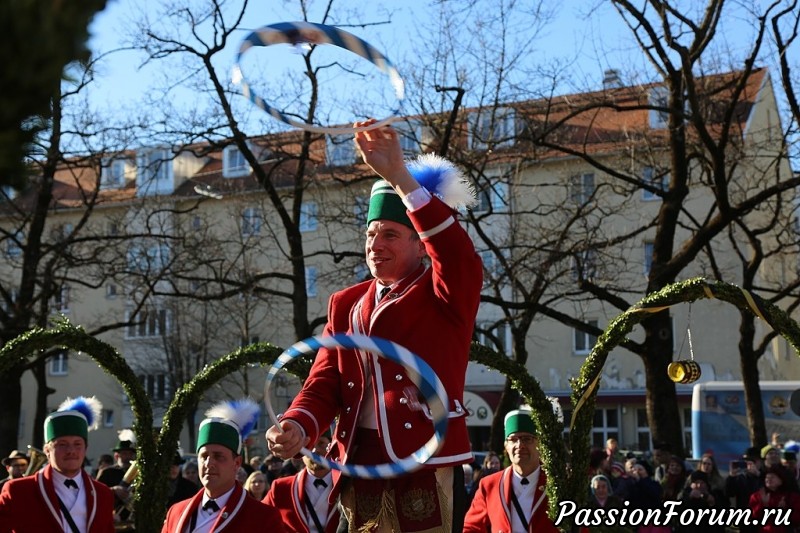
x=564 y=482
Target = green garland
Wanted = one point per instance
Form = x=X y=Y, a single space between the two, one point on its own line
x=566 y=468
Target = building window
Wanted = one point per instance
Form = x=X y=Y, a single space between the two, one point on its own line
x=492 y=128
x=584 y=265
x=112 y=229
x=649 y=248
x=361 y=210
x=493 y=269
x=60 y=301
x=659 y=101
x=494 y=336
x=251 y=221
x=59 y=364
x=234 y=164
x=308 y=216
x=340 y=150
x=311 y=281
x=197 y=223
x=655 y=178
x=143 y=259
x=8 y=192
x=687 y=430
x=14 y=245
x=154 y=173
x=108 y=418
x=112 y=175
x=155 y=385
x=151 y=322
x=111 y=291
x=605 y=426
x=493 y=198
x=584 y=342
x=581 y=188
x=412 y=135
x=643 y=437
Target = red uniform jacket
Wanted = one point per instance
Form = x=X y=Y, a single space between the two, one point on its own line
x=431 y=312
x=240 y=513
x=491 y=507
x=30 y=504
x=287 y=495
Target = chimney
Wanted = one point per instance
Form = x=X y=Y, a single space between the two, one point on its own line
x=611 y=79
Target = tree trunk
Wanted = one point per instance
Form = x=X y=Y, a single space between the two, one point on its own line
x=748 y=362
x=10 y=405
x=39 y=370
x=662 y=400
x=509 y=401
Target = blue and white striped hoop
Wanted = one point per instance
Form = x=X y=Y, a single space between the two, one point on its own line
x=418 y=371
x=308 y=32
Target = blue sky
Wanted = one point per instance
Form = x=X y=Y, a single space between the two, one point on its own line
x=584 y=46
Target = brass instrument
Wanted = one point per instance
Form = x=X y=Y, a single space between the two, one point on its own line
x=36 y=460
x=123 y=514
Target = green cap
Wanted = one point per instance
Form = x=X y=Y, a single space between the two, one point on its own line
x=66 y=423
x=219 y=431
x=386 y=204
x=519 y=421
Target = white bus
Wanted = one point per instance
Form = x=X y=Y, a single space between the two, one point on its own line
x=719 y=417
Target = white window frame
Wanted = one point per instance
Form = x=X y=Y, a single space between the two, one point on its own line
x=148 y=258
x=605 y=430
x=340 y=150
x=59 y=364
x=9 y=192
x=413 y=137
x=641 y=431
x=583 y=342
x=60 y=301
x=650 y=176
x=658 y=97
x=156 y=386
x=311 y=281
x=581 y=187
x=494 y=198
x=308 y=217
x=13 y=249
x=492 y=128
x=157 y=322
x=648 y=257
x=112 y=174
x=234 y=164
x=251 y=221
x=501 y=331
x=586 y=262
x=108 y=418
x=361 y=211
x=154 y=173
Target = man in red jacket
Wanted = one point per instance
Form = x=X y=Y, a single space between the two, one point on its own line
x=61 y=497
x=513 y=500
x=222 y=503
x=429 y=309
x=303 y=499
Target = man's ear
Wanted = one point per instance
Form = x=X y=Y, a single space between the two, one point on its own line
x=421 y=252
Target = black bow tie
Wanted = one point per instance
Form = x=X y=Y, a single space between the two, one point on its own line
x=320 y=483
x=211 y=506
x=70 y=484
x=524 y=481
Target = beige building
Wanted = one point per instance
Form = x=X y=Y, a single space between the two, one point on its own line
x=200 y=224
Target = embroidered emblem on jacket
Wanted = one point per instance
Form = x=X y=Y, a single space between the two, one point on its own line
x=418 y=504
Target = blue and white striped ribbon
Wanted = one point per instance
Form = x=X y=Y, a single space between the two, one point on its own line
x=418 y=371
x=309 y=32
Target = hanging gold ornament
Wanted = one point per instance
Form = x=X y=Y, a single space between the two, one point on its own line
x=685 y=370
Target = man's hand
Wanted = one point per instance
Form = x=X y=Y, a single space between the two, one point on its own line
x=287 y=443
x=380 y=149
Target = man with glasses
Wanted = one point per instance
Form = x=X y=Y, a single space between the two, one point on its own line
x=16 y=464
x=513 y=500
